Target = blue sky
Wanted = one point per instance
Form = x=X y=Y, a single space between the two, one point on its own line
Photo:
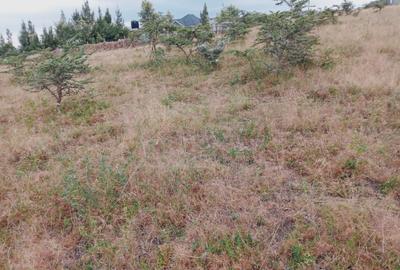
x=46 y=12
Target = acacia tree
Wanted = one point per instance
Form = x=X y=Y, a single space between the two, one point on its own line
x=6 y=45
x=188 y=39
x=234 y=19
x=287 y=37
x=58 y=74
x=154 y=25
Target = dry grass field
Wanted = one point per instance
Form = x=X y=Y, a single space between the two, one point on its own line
x=175 y=168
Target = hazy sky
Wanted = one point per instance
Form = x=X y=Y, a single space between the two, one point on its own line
x=46 y=12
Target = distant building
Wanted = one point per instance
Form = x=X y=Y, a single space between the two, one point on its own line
x=189 y=20
x=218 y=28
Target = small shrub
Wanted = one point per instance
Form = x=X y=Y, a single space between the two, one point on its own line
x=377 y=5
x=299 y=258
x=235 y=21
x=188 y=39
x=255 y=61
x=211 y=53
x=154 y=25
x=83 y=109
x=171 y=98
x=56 y=73
x=287 y=37
x=345 y=7
x=234 y=246
x=390 y=185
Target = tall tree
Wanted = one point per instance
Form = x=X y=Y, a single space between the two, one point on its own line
x=24 y=37
x=6 y=45
x=99 y=15
x=2 y=42
x=86 y=14
x=107 y=17
x=235 y=20
x=154 y=24
x=9 y=37
x=204 y=16
x=33 y=37
x=48 y=38
x=76 y=17
x=64 y=30
x=118 y=18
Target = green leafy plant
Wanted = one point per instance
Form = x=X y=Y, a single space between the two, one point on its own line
x=188 y=39
x=287 y=37
x=390 y=185
x=234 y=20
x=210 y=52
x=154 y=24
x=299 y=258
x=255 y=60
x=345 y=7
x=57 y=73
x=377 y=5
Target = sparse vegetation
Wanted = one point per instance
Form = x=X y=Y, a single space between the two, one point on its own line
x=234 y=19
x=169 y=167
x=287 y=37
x=57 y=73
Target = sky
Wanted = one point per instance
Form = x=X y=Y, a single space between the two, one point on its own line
x=44 y=13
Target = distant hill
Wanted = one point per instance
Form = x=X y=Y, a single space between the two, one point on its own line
x=189 y=20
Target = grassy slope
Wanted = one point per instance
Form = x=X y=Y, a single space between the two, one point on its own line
x=176 y=169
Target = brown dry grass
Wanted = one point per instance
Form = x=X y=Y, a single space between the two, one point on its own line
x=172 y=168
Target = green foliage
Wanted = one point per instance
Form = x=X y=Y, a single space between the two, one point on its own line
x=299 y=258
x=57 y=73
x=48 y=39
x=188 y=39
x=100 y=197
x=154 y=24
x=211 y=53
x=83 y=109
x=328 y=15
x=287 y=37
x=82 y=28
x=28 y=38
x=204 y=17
x=6 y=46
x=255 y=60
x=378 y=5
x=345 y=7
x=234 y=19
x=232 y=245
x=390 y=185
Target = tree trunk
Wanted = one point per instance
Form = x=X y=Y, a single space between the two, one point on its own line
x=59 y=99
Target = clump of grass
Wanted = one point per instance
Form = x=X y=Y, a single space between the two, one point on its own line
x=299 y=258
x=33 y=161
x=233 y=245
x=81 y=110
x=171 y=98
x=390 y=185
x=94 y=197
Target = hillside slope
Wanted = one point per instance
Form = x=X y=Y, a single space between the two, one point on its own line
x=173 y=168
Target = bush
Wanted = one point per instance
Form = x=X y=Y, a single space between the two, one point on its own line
x=287 y=37
x=188 y=39
x=377 y=5
x=56 y=72
x=211 y=53
x=346 y=7
x=154 y=25
x=235 y=20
